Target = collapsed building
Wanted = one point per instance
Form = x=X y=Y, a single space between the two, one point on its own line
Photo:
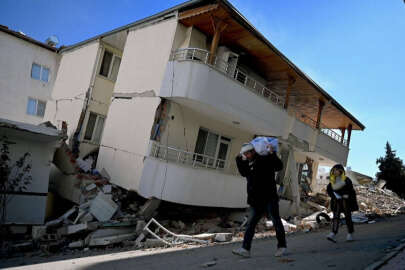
x=169 y=100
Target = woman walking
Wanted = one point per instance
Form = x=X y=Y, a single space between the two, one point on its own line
x=343 y=200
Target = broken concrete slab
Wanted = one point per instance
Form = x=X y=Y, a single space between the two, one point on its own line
x=88 y=217
x=140 y=225
x=149 y=208
x=109 y=240
x=223 y=237
x=77 y=244
x=153 y=243
x=103 y=208
x=64 y=160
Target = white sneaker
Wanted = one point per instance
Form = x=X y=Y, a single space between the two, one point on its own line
x=331 y=237
x=241 y=252
x=349 y=237
x=280 y=252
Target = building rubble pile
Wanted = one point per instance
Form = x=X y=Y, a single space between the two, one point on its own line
x=373 y=200
x=374 y=203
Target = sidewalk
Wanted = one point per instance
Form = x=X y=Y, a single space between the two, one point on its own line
x=396 y=263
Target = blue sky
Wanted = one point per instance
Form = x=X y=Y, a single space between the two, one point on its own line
x=354 y=49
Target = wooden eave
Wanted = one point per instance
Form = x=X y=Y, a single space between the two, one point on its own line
x=269 y=63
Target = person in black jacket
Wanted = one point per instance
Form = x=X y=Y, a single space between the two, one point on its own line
x=343 y=199
x=261 y=194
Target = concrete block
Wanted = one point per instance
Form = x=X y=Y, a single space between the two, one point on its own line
x=103 y=208
x=77 y=244
x=38 y=232
x=140 y=225
x=223 y=237
x=149 y=208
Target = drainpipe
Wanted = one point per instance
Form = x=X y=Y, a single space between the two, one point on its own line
x=76 y=136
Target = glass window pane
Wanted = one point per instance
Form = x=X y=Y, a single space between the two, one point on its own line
x=41 y=108
x=99 y=129
x=45 y=74
x=35 y=71
x=32 y=106
x=90 y=126
x=211 y=147
x=200 y=144
x=105 y=64
x=115 y=68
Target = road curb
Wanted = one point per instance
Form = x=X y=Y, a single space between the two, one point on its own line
x=386 y=258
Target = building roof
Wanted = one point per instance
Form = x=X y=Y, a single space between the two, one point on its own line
x=245 y=23
x=19 y=35
x=33 y=129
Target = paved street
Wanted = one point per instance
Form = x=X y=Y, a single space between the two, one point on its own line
x=306 y=251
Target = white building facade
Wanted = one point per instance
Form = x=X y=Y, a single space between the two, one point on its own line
x=28 y=72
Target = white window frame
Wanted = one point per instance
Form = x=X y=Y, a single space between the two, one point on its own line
x=111 y=64
x=36 y=107
x=42 y=67
x=220 y=136
x=98 y=116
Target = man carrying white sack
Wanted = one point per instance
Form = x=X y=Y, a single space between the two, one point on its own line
x=259 y=171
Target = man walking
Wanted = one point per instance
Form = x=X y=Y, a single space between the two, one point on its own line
x=259 y=171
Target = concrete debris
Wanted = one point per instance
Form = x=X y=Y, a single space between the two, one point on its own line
x=153 y=243
x=107 y=215
x=77 y=244
x=374 y=200
x=103 y=208
x=38 y=232
x=149 y=208
x=223 y=237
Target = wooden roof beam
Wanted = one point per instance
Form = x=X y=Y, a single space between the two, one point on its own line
x=197 y=11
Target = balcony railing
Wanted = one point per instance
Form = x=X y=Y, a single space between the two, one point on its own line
x=191 y=159
x=325 y=130
x=203 y=56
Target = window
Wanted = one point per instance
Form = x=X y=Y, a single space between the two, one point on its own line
x=94 y=128
x=213 y=146
x=110 y=65
x=36 y=107
x=39 y=72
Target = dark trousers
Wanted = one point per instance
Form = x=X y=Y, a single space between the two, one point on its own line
x=342 y=206
x=256 y=213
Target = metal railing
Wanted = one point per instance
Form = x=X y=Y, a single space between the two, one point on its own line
x=173 y=154
x=235 y=73
x=323 y=129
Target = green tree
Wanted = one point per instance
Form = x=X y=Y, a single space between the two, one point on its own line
x=392 y=171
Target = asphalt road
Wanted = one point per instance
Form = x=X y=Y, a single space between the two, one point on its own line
x=305 y=251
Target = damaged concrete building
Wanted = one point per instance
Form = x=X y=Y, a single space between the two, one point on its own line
x=170 y=99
